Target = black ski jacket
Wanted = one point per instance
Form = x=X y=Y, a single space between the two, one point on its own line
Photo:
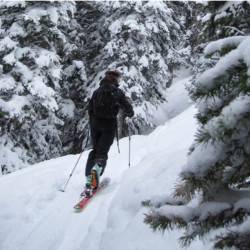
x=124 y=104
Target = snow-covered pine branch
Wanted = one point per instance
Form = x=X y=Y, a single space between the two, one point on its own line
x=219 y=159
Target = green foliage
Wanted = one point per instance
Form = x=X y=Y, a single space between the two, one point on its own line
x=201 y=135
x=225 y=20
x=224 y=122
x=195 y=227
x=226 y=86
x=146 y=203
x=2 y=114
x=236 y=240
x=161 y=222
x=226 y=50
x=202 y=227
x=42 y=45
x=223 y=51
x=186 y=189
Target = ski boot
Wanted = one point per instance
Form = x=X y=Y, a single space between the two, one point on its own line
x=92 y=181
x=88 y=192
x=95 y=176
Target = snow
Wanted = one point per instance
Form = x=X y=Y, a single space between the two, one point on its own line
x=67 y=108
x=152 y=26
x=132 y=23
x=24 y=71
x=115 y=27
x=7 y=82
x=207 y=154
x=222 y=43
x=35 y=14
x=223 y=14
x=185 y=212
x=206 y=18
x=230 y=5
x=46 y=58
x=244 y=227
x=16 y=30
x=177 y=98
x=234 y=112
x=245 y=51
x=143 y=61
x=191 y=211
x=229 y=118
x=9 y=157
x=10 y=58
x=45 y=216
x=230 y=60
x=38 y=88
x=212 y=208
x=7 y=43
x=202 y=158
x=243 y=203
x=19 y=3
x=78 y=64
x=14 y=105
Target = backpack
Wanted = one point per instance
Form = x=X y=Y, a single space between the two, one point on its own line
x=106 y=102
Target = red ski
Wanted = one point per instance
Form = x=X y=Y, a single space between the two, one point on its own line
x=85 y=200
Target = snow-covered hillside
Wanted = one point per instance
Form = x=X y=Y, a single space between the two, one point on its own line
x=35 y=215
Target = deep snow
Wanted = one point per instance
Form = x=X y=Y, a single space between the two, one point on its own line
x=35 y=215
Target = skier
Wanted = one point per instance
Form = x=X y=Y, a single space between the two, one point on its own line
x=103 y=108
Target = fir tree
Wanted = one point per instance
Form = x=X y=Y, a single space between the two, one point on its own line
x=221 y=19
x=34 y=53
x=212 y=193
x=215 y=20
x=143 y=39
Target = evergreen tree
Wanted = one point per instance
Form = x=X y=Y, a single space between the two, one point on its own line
x=34 y=53
x=215 y=20
x=143 y=39
x=221 y=19
x=212 y=193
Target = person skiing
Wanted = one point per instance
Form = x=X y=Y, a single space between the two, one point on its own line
x=103 y=108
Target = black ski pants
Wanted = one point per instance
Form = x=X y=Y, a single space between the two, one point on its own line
x=102 y=138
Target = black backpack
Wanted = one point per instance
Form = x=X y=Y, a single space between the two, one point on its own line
x=106 y=102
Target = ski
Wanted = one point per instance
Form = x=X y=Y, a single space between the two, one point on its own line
x=85 y=200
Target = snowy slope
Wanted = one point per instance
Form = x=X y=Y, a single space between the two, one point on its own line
x=35 y=215
x=177 y=97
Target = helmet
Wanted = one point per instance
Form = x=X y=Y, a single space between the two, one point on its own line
x=115 y=73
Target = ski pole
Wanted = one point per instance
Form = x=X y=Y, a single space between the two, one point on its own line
x=72 y=171
x=129 y=147
x=117 y=139
x=118 y=146
x=129 y=154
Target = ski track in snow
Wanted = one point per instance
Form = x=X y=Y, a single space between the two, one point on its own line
x=34 y=215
